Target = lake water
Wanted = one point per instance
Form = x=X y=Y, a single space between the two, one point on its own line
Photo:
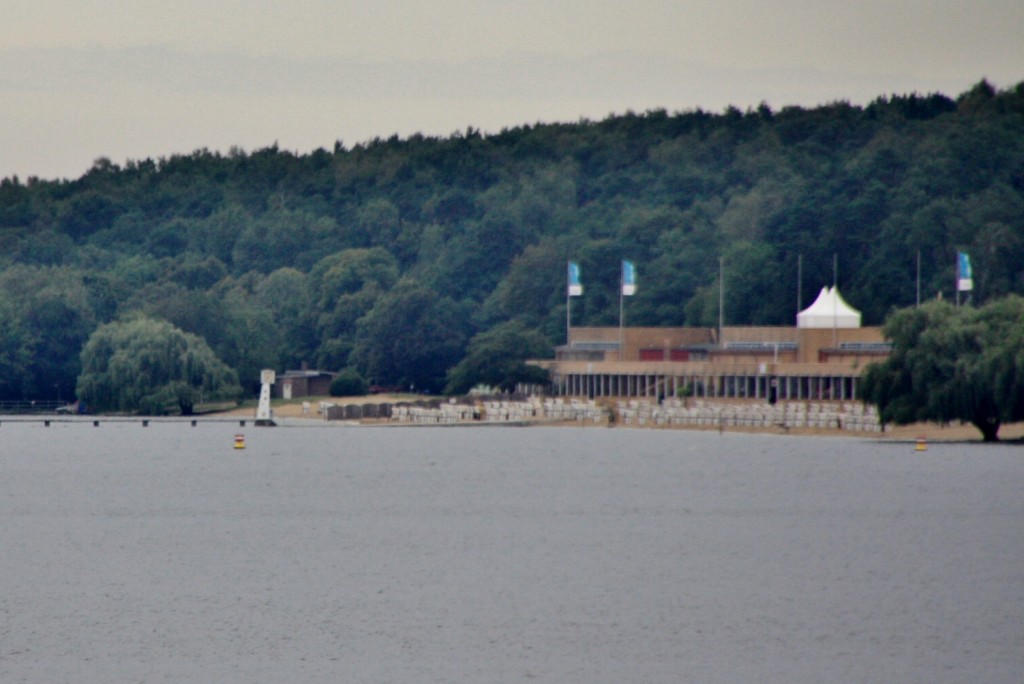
x=483 y=555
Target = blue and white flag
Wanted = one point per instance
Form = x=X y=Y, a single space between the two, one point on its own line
x=964 y=279
x=575 y=287
x=628 y=278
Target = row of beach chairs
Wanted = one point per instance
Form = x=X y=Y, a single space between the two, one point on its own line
x=848 y=416
x=501 y=411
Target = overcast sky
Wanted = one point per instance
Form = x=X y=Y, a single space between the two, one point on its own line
x=131 y=79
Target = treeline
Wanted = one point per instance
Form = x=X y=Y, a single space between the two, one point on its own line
x=401 y=258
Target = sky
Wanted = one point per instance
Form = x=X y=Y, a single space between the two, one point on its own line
x=137 y=79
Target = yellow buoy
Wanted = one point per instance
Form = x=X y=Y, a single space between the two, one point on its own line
x=922 y=444
x=239 y=441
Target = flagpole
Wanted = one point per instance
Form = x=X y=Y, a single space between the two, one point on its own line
x=568 y=303
x=835 y=298
x=919 y=277
x=721 y=299
x=568 y=317
x=626 y=279
x=621 y=309
x=799 y=281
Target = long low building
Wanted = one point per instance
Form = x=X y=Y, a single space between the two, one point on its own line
x=820 y=359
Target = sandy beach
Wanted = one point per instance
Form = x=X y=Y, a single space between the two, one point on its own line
x=931 y=432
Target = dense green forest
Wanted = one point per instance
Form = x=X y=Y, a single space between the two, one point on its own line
x=402 y=257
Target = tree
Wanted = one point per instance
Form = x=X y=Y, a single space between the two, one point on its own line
x=343 y=288
x=349 y=383
x=497 y=358
x=533 y=284
x=15 y=358
x=145 y=365
x=206 y=241
x=951 y=364
x=252 y=340
x=49 y=317
x=199 y=312
x=285 y=295
x=277 y=239
x=412 y=336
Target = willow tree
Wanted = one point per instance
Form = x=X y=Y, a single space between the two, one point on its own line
x=146 y=365
x=952 y=364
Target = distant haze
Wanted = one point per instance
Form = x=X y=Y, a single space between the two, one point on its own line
x=80 y=81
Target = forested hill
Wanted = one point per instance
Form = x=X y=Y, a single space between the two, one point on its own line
x=390 y=256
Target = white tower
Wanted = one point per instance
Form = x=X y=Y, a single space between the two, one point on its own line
x=263 y=413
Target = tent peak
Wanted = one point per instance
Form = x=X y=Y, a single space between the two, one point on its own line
x=829 y=310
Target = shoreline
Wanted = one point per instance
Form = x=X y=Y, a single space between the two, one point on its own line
x=293 y=410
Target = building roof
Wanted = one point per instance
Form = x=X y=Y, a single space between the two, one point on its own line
x=829 y=310
x=305 y=374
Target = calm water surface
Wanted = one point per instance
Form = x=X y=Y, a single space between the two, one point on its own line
x=162 y=554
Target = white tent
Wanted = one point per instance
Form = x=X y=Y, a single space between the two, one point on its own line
x=829 y=310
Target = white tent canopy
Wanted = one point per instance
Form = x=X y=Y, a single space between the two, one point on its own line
x=829 y=310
